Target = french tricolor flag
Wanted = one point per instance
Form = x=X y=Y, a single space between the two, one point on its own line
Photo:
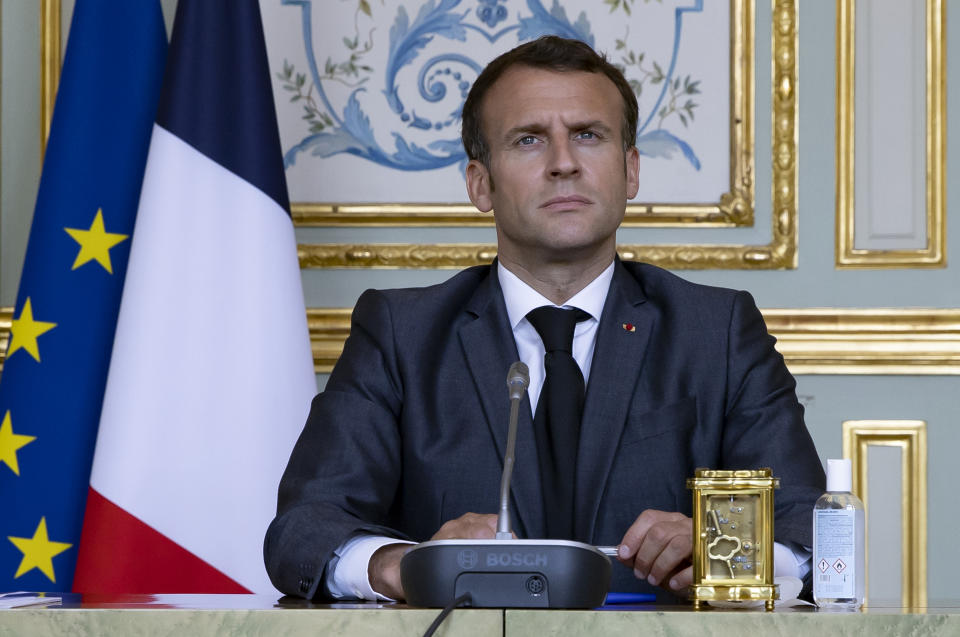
x=211 y=374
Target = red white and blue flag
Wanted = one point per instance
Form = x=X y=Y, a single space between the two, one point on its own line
x=211 y=374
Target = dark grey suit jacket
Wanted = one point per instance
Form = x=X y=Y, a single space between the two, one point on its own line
x=411 y=428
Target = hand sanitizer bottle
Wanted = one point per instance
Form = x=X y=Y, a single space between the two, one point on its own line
x=838 y=542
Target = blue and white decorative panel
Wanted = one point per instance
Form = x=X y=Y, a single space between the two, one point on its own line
x=369 y=92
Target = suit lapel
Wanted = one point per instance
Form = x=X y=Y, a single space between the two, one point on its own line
x=489 y=349
x=617 y=361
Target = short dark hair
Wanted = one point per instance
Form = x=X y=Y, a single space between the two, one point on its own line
x=552 y=53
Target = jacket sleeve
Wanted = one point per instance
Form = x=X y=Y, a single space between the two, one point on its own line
x=764 y=423
x=345 y=467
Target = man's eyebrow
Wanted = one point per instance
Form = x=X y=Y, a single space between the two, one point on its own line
x=523 y=129
x=535 y=129
x=596 y=124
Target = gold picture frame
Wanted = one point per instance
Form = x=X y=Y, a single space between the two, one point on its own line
x=779 y=253
x=934 y=254
x=910 y=436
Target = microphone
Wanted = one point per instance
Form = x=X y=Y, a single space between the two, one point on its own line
x=518 y=379
x=506 y=573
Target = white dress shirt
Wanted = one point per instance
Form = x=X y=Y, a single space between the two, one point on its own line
x=348 y=575
x=520 y=298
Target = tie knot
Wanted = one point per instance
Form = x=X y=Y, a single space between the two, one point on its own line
x=555 y=325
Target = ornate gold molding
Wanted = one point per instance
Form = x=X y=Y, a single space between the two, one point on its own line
x=462 y=255
x=735 y=207
x=329 y=329
x=910 y=436
x=934 y=254
x=867 y=341
x=50 y=57
x=813 y=341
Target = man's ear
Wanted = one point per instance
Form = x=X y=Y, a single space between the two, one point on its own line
x=479 y=186
x=633 y=171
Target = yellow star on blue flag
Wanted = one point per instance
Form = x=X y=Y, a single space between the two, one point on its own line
x=10 y=443
x=38 y=551
x=95 y=243
x=25 y=330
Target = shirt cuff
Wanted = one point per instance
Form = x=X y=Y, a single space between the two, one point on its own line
x=348 y=578
x=790 y=559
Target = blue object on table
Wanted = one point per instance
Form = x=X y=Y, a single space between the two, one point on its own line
x=629 y=598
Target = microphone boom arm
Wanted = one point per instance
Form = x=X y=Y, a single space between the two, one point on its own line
x=518 y=378
x=504 y=531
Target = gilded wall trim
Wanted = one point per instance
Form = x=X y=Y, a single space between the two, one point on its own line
x=329 y=329
x=50 y=57
x=780 y=253
x=910 y=436
x=934 y=254
x=812 y=341
x=735 y=207
x=867 y=341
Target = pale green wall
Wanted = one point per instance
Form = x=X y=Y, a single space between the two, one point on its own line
x=20 y=135
x=829 y=399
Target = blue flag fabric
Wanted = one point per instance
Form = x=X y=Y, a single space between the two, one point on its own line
x=66 y=308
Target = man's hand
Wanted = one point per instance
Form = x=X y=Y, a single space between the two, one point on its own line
x=658 y=546
x=469 y=526
x=383 y=570
x=384 y=567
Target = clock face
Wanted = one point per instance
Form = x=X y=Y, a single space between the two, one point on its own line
x=732 y=536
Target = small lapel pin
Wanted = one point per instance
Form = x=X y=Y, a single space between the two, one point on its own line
x=629 y=327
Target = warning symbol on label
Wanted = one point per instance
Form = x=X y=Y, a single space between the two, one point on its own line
x=823 y=566
x=840 y=565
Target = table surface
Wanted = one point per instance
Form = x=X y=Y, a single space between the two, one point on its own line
x=270 y=615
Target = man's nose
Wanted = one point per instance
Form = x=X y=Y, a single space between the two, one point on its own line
x=563 y=159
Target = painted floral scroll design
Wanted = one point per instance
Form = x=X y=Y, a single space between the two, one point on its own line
x=668 y=98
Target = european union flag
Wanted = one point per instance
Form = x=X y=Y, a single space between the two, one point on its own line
x=66 y=310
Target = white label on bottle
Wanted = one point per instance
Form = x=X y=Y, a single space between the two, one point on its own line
x=834 y=567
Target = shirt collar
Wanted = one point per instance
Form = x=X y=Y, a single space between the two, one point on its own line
x=520 y=298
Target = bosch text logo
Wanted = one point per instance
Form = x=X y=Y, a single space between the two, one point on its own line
x=517 y=558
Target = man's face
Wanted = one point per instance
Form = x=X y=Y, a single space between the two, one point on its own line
x=558 y=180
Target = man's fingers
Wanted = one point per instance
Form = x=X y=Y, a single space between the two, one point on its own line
x=657 y=546
x=667 y=546
x=469 y=526
x=681 y=580
x=637 y=533
x=634 y=536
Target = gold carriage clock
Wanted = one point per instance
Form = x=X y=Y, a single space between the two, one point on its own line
x=733 y=536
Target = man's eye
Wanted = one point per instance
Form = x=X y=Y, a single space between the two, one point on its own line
x=587 y=134
x=526 y=140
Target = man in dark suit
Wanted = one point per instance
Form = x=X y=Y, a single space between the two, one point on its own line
x=407 y=440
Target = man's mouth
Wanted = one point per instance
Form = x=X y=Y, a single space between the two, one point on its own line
x=569 y=201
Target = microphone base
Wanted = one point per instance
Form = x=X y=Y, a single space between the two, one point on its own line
x=506 y=573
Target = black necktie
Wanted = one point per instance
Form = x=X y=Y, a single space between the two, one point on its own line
x=557 y=421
